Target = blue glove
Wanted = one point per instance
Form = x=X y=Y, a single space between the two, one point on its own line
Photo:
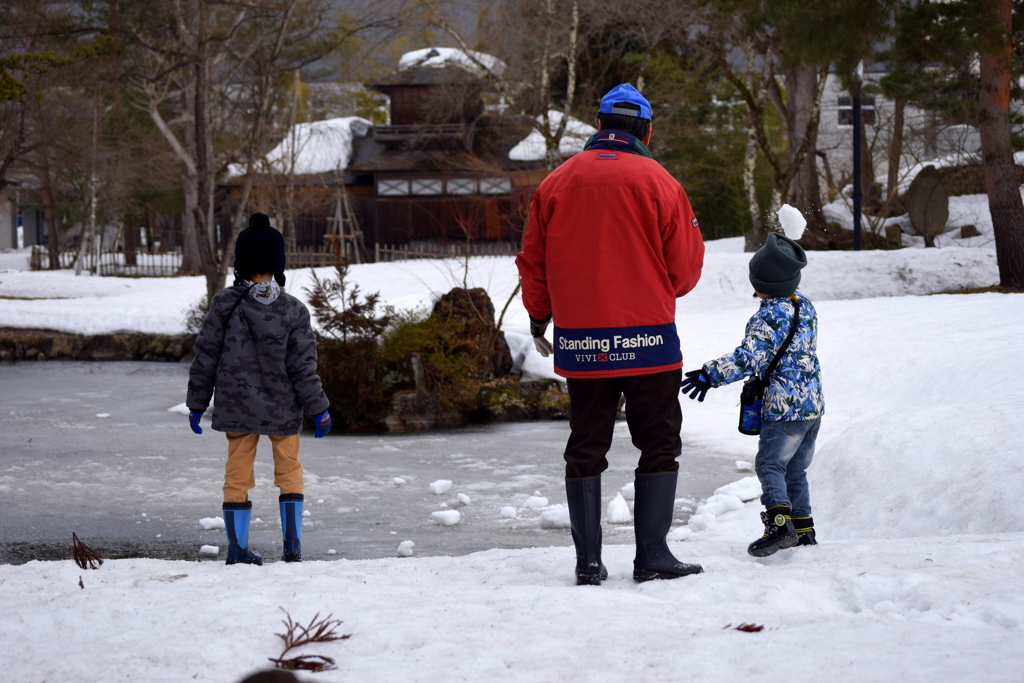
x=193 y=420
x=696 y=384
x=323 y=424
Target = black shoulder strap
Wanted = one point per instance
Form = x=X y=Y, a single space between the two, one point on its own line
x=785 y=344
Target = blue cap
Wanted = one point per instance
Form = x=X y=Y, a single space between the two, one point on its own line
x=625 y=93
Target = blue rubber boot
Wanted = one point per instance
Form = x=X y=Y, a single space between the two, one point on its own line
x=291 y=525
x=584 y=497
x=652 y=517
x=236 y=522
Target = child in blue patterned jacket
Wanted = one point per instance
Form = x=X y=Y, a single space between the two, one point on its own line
x=793 y=403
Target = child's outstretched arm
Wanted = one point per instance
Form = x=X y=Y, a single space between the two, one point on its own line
x=750 y=358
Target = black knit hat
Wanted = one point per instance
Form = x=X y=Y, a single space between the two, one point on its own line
x=260 y=249
x=775 y=267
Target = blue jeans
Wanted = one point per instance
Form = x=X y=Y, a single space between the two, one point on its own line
x=784 y=452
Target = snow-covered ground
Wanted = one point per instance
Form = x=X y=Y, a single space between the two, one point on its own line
x=916 y=489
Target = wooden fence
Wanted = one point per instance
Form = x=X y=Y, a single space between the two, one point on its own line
x=384 y=252
x=145 y=264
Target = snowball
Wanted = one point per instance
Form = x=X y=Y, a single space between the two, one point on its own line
x=405 y=548
x=209 y=550
x=679 y=534
x=792 y=222
x=555 y=518
x=102 y=415
x=628 y=491
x=535 y=502
x=464 y=499
x=440 y=486
x=618 y=511
x=508 y=511
x=719 y=504
x=332 y=551
x=702 y=522
x=398 y=481
x=211 y=523
x=305 y=513
x=744 y=466
x=320 y=501
x=446 y=517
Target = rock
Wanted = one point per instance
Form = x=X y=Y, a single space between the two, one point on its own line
x=927 y=204
x=969 y=231
x=513 y=401
x=411 y=411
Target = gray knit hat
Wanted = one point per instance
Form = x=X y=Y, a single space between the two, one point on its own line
x=775 y=267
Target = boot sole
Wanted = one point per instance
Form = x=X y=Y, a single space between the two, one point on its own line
x=767 y=550
x=643 y=575
x=586 y=579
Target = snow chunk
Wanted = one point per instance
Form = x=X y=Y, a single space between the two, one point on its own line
x=209 y=550
x=305 y=513
x=440 y=486
x=464 y=499
x=398 y=481
x=180 y=409
x=508 y=511
x=719 y=504
x=405 y=548
x=744 y=466
x=679 y=534
x=211 y=523
x=746 y=489
x=618 y=511
x=332 y=551
x=702 y=522
x=102 y=415
x=532 y=147
x=535 y=502
x=446 y=517
x=629 y=491
x=792 y=221
x=556 y=517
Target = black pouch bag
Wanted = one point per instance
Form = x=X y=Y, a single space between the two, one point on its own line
x=751 y=397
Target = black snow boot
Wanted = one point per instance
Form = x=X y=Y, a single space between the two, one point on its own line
x=291 y=525
x=584 y=496
x=236 y=522
x=804 y=527
x=652 y=511
x=779 y=532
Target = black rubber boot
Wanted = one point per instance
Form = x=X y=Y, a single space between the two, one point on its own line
x=779 y=532
x=584 y=496
x=652 y=511
x=236 y=523
x=291 y=525
x=804 y=527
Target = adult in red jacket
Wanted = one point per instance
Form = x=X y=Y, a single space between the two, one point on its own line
x=610 y=243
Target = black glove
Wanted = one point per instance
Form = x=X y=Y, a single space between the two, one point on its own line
x=696 y=384
x=537 y=330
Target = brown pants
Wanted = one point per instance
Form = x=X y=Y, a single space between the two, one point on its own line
x=239 y=476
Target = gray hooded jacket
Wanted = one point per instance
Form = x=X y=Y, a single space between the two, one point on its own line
x=261 y=360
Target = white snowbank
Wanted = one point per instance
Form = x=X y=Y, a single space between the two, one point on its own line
x=317 y=147
x=447 y=56
x=533 y=147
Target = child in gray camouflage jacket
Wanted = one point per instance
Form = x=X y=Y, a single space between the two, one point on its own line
x=256 y=350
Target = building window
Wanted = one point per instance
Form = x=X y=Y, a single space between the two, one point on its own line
x=867 y=111
x=495 y=186
x=392 y=187
x=461 y=185
x=425 y=186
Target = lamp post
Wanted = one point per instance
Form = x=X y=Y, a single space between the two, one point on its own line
x=856 y=171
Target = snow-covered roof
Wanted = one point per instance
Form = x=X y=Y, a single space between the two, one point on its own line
x=320 y=147
x=532 y=147
x=440 y=57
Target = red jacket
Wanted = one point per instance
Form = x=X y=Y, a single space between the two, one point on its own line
x=610 y=243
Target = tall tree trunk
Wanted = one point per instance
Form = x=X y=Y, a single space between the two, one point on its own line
x=895 y=155
x=1004 y=201
x=49 y=215
x=803 y=90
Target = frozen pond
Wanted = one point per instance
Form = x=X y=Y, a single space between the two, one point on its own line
x=91 y=448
